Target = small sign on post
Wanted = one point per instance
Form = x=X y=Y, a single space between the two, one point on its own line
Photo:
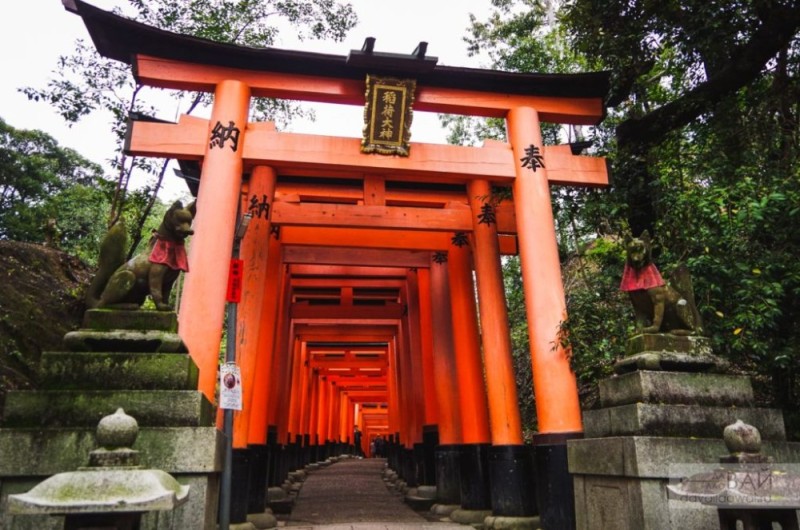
x=230 y=387
x=235 y=274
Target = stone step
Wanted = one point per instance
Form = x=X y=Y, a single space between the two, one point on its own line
x=657 y=456
x=68 y=408
x=664 y=342
x=44 y=452
x=109 y=319
x=118 y=371
x=124 y=340
x=679 y=420
x=677 y=388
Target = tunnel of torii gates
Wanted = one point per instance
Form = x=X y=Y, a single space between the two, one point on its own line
x=372 y=293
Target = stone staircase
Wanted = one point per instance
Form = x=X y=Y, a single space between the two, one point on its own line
x=129 y=359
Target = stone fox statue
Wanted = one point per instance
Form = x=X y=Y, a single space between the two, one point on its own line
x=125 y=285
x=659 y=307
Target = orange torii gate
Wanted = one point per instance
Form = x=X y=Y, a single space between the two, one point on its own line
x=323 y=210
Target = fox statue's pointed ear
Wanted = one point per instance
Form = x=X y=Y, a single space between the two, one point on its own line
x=192 y=207
x=645 y=237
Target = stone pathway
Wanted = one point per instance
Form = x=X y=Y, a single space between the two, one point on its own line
x=351 y=495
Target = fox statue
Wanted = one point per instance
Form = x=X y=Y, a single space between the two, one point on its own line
x=121 y=284
x=660 y=307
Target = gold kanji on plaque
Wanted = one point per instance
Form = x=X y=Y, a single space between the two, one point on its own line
x=387 y=115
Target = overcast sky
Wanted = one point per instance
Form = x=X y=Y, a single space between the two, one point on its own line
x=33 y=33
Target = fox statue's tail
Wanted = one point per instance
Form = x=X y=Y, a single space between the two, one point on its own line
x=113 y=250
x=681 y=281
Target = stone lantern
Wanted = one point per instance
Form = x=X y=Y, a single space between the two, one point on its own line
x=112 y=492
x=748 y=489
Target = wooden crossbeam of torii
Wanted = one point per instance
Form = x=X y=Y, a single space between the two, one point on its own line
x=326 y=236
x=375 y=383
x=188 y=140
x=367 y=395
x=322 y=332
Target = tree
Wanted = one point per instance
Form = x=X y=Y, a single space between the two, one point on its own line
x=49 y=193
x=674 y=63
x=84 y=82
x=707 y=155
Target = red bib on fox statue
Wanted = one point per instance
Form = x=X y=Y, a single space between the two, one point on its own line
x=634 y=279
x=169 y=253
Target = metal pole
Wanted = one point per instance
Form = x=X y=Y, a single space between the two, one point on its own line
x=227 y=418
x=227 y=422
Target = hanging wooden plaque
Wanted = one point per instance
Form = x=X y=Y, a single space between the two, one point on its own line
x=387 y=115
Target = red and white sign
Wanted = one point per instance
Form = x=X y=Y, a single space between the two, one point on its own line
x=235 y=280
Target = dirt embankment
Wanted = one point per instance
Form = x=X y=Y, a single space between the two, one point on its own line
x=41 y=299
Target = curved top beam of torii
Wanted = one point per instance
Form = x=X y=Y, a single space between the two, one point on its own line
x=169 y=60
x=439 y=86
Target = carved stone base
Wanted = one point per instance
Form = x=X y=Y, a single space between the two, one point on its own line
x=110 y=330
x=665 y=342
x=672 y=353
x=656 y=426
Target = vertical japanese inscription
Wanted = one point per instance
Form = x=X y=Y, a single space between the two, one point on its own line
x=460 y=239
x=440 y=257
x=221 y=134
x=387 y=116
x=487 y=215
x=257 y=209
x=533 y=158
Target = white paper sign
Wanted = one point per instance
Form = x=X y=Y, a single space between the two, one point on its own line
x=230 y=387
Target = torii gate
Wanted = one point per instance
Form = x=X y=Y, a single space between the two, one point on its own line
x=304 y=186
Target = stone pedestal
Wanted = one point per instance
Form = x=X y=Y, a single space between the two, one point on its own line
x=149 y=374
x=257 y=478
x=448 y=478
x=474 y=473
x=652 y=427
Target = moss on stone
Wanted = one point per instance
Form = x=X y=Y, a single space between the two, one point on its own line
x=30 y=409
x=107 y=371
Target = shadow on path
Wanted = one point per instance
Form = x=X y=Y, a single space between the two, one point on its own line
x=351 y=495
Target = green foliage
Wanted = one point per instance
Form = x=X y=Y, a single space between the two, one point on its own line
x=600 y=318
x=52 y=195
x=739 y=195
x=518 y=323
x=250 y=22
x=78 y=212
x=49 y=194
x=520 y=36
x=671 y=70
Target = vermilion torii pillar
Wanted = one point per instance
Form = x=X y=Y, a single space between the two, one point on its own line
x=448 y=485
x=264 y=390
x=555 y=388
x=510 y=465
x=204 y=289
x=557 y=406
x=476 y=434
x=255 y=254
